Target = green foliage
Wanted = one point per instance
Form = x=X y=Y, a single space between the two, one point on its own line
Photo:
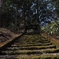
x=56 y=3
x=27 y=11
x=52 y=28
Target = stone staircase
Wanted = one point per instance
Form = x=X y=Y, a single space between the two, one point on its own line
x=30 y=47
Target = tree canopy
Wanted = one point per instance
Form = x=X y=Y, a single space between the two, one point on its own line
x=14 y=12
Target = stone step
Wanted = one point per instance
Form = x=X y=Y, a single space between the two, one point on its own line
x=29 y=52
x=32 y=47
x=28 y=45
x=44 y=56
x=8 y=57
x=31 y=40
x=20 y=52
x=50 y=51
x=39 y=41
x=18 y=43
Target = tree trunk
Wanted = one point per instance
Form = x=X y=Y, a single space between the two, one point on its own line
x=38 y=15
